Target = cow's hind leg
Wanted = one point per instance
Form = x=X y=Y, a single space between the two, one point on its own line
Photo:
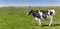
x=39 y=22
x=51 y=21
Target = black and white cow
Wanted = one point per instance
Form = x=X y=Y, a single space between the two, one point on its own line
x=42 y=14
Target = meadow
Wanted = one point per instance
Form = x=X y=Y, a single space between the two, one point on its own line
x=15 y=18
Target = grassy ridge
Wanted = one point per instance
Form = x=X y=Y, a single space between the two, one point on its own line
x=15 y=18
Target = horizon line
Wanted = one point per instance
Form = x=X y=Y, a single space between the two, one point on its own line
x=26 y=5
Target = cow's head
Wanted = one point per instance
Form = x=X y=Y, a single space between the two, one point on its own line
x=29 y=12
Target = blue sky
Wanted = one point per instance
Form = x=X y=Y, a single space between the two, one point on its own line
x=29 y=2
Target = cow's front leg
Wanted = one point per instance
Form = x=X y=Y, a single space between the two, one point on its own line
x=51 y=21
x=39 y=22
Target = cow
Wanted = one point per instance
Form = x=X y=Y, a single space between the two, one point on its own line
x=39 y=15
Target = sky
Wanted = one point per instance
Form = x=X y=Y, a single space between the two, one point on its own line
x=29 y=3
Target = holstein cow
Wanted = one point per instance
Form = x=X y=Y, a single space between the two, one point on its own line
x=42 y=14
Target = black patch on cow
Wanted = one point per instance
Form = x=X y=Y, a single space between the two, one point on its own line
x=51 y=13
x=36 y=14
x=45 y=12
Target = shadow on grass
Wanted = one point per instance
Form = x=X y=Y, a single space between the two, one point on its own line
x=52 y=25
x=56 y=24
x=48 y=25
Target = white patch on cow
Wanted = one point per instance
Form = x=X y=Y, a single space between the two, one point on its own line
x=48 y=12
x=36 y=18
x=48 y=17
x=41 y=14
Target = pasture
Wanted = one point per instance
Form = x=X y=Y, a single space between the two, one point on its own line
x=15 y=18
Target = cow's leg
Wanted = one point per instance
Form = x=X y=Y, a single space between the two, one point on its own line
x=51 y=21
x=39 y=22
x=36 y=18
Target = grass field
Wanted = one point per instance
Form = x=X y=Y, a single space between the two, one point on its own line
x=15 y=18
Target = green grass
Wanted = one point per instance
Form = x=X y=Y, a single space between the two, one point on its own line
x=15 y=18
